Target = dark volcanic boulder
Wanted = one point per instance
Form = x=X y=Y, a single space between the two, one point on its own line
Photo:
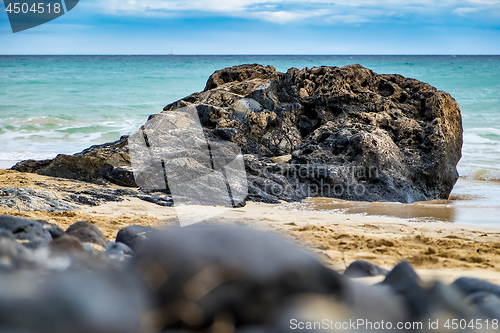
x=345 y=132
x=351 y=133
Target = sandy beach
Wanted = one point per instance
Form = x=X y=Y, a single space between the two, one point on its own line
x=437 y=250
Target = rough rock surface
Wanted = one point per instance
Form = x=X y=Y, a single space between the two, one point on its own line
x=32 y=233
x=350 y=133
x=54 y=198
x=97 y=164
x=28 y=199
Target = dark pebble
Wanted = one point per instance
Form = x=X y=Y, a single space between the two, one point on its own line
x=31 y=232
x=54 y=230
x=115 y=247
x=403 y=280
x=401 y=276
x=471 y=285
x=133 y=234
x=87 y=233
x=67 y=245
x=77 y=302
x=361 y=268
x=14 y=256
x=487 y=304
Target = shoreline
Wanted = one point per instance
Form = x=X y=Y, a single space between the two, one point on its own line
x=472 y=202
x=436 y=250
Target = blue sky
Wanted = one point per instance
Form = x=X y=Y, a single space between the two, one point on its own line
x=264 y=27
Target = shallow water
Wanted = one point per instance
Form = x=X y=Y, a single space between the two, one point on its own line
x=469 y=204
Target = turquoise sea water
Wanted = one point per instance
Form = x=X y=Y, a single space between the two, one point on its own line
x=63 y=104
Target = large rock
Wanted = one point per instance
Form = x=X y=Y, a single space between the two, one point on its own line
x=351 y=133
x=348 y=132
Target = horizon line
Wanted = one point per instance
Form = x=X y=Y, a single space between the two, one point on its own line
x=261 y=55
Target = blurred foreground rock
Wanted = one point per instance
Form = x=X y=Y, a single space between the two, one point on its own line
x=212 y=279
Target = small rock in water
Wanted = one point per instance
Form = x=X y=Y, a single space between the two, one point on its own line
x=165 y=200
x=361 y=268
x=87 y=233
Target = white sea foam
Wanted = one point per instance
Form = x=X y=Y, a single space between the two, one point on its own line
x=478 y=172
x=45 y=136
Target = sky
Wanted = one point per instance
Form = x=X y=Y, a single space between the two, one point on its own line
x=264 y=27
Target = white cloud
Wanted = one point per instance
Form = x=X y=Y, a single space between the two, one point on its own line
x=286 y=11
x=283 y=17
x=462 y=11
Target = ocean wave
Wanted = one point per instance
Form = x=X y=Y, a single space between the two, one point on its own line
x=486 y=135
x=45 y=136
x=482 y=173
x=50 y=126
x=19 y=156
x=481 y=154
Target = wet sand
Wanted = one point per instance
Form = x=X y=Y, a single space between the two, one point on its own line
x=467 y=206
x=443 y=250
